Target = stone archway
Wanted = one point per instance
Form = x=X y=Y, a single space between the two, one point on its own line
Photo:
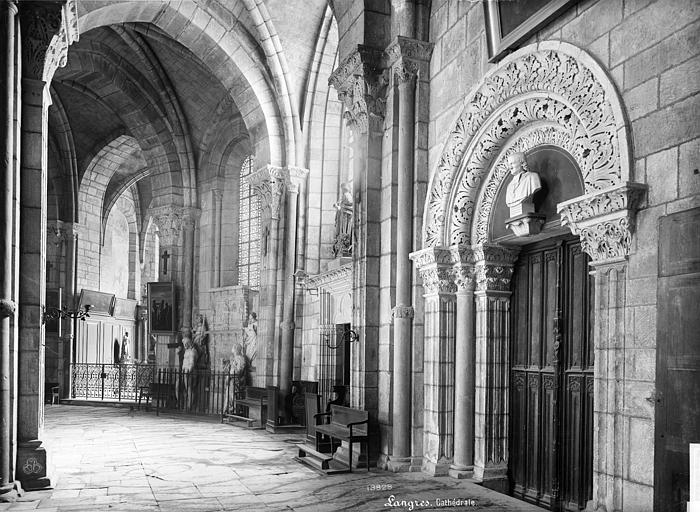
x=548 y=93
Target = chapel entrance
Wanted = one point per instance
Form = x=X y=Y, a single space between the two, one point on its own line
x=551 y=376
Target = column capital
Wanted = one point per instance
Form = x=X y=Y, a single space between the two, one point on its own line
x=401 y=311
x=49 y=27
x=408 y=58
x=170 y=220
x=493 y=267
x=218 y=195
x=296 y=177
x=56 y=232
x=361 y=83
x=270 y=183
x=604 y=220
x=463 y=264
x=435 y=267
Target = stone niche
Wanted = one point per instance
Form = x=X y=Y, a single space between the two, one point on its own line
x=561 y=180
x=228 y=315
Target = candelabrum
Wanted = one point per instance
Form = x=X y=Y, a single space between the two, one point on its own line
x=54 y=313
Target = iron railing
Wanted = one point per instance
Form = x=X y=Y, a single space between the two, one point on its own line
x=109 y=381
x=200 y=392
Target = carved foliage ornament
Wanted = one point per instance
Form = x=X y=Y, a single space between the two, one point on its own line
x=605 y=221
x=408 y=58
x=361 y=84
x=545 y=85
x=270 y=184
x=494 y=267
x=48 y=29
x=170 y=221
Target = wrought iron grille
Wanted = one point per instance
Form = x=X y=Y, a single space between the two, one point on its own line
x=109 y=381
x=196 y=392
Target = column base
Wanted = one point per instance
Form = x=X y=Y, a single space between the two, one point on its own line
x=399 y=464
x=416 y=465
x=10 y=492
x=439 y=468
x=32 y=470
x=461 y=472
x=493 y=477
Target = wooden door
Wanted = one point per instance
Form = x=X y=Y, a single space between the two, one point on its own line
x=551 y=377
x=678 y=358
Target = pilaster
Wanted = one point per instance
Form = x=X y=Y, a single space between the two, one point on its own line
x=437 y=272
x=605 y=221
x=493 y=269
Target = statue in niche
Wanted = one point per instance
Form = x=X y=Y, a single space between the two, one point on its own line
x=523 y=221
x=342 y=246
x=522 y=187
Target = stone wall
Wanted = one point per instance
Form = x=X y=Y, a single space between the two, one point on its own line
x=650 y=51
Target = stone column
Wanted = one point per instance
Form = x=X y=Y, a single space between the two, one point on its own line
x=437 y=273
x=40 y=22
x=8 y=12
x=361 y=85
x=605 y=223
x=216 y=237
x=295 y=177
x=463 y=462
x=407 y=58
x=493 y=271
x=270 y=184
x=188 y=225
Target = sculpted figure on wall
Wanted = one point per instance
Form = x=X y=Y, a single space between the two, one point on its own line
x=250 y=337
x=342 y=246
x=523 y=185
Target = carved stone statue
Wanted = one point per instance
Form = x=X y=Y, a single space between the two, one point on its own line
x=342 y=246
x=522 y=187
x=523 y=221
x=250 y=337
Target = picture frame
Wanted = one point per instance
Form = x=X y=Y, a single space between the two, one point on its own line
x=510 y=22
x=161 y=307
x=100 y=302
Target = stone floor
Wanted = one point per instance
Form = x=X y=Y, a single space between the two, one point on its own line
x=120 y=460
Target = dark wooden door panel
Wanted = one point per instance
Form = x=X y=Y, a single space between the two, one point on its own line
x=551 y=385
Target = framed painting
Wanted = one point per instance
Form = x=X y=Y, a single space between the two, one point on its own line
x=100 y=302
x=125 y=308
x=510 y=22
x=161 y=307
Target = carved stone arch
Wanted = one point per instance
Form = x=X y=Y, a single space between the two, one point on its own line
x=549 y=83
x=530 y=137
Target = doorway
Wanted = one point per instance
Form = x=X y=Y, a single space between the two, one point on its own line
x=551 y=376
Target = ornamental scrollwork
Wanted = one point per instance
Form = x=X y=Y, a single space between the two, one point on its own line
x=494 y=267
x=540 y=135
x=608 y=240
x=270 y=184
x=408 y=58
x=546 y=86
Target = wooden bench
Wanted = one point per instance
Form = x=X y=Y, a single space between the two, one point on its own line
x=252 y=408
x=158 y=391
x=345 y=424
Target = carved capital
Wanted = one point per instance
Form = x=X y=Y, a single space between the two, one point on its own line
x=170 y=221
x=401 y=311
x=604 y=220
x=435 y=267
x=361 y=85
x=296 y=176
x=48 y=29
x=55 y=233
x=408 y=58
x=493 y=267
x=463 y=264
x=270 y=183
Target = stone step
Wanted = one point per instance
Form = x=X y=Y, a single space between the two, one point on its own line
x=323 y=461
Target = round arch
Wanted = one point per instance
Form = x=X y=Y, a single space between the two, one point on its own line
x=550 y=92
